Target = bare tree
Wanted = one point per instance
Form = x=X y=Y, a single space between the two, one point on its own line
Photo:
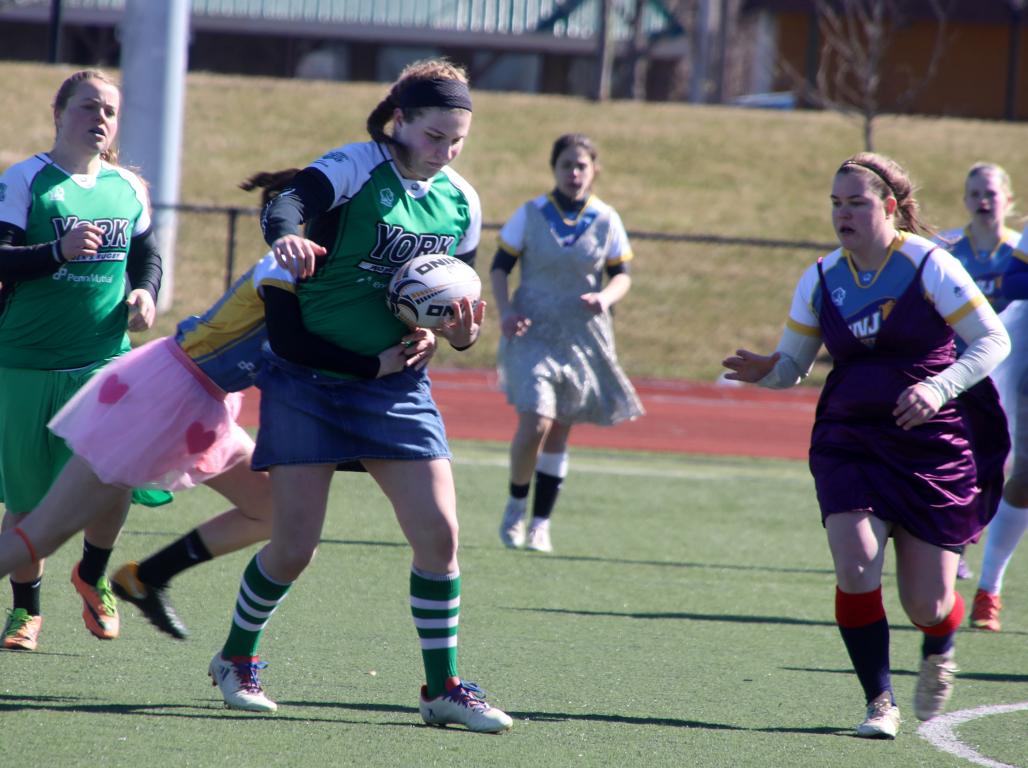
x=856 y=36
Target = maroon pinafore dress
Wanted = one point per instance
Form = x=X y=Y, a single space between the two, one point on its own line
x=924 y=479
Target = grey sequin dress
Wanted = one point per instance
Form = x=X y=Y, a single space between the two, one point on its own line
x=565 y=366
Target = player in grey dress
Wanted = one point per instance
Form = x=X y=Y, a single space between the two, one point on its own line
x=556 y=358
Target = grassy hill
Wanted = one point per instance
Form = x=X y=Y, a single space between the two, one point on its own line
x=667 y=168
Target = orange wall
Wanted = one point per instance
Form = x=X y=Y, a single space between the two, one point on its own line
x=970 y=80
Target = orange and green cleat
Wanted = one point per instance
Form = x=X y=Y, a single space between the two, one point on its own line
x=99 y=606
x=21 y=632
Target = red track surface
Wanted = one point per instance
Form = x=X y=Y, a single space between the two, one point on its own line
x=681 y=416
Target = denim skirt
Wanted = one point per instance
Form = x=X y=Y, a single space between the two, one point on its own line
x=310 y=418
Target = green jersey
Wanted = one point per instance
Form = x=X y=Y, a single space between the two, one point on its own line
x=379 y=221
x=77 y=315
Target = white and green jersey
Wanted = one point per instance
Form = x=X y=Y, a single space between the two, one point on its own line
x=378 y=221
x=77 y=315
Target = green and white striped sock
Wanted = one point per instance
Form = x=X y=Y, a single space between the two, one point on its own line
x=258 y=598
x=435 y=605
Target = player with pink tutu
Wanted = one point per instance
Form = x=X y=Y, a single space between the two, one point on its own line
x=173 y=403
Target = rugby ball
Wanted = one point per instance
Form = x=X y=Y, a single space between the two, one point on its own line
x=422 y=291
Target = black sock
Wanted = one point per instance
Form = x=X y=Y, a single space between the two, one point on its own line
x=158 y=569
x=94 y=563
x=546 y=489
x=26 y=595
x=519 y=491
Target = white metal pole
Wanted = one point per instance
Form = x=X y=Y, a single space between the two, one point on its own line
x=154 y=57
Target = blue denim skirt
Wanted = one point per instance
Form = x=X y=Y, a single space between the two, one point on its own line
x=310 y=418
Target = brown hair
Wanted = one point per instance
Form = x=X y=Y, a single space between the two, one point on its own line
x=271 y=183
x=888 y=179
x=67 y=90
x=575 y=140
x=428 y=69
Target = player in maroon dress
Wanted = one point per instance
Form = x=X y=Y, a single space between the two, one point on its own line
x=891 y=453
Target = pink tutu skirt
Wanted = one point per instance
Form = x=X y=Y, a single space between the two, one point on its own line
x=152 y=419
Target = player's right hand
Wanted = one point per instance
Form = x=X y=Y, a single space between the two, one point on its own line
x=297 y=254
x=513 y=324
x=749 y=366
x=82 y=240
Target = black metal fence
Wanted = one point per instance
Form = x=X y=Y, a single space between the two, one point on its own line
x=233 y=213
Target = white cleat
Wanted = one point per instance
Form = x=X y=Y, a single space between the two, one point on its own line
x=239 y=684
x=512 y=527
x=539 y=536
x=882 y=720
x=934 y=685
x=463 y=704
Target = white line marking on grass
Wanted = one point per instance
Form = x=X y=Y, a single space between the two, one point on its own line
x=940 y=734
x=685 y=472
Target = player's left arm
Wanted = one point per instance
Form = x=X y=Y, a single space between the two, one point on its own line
x=144 y=270
x=961 y=303
x=619 y=282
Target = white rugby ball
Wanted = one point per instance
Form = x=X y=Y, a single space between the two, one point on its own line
x=423 y=290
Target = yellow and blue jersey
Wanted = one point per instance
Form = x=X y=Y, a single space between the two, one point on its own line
x=987 y=267
x=865 y=299
x=567 y=229
x=225 y=341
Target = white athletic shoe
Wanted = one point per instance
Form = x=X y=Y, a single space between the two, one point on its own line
x=882 y=720
x=539 y=536
x=934 y=685
x=463 y=704
x=512 y=527
x=239 y=684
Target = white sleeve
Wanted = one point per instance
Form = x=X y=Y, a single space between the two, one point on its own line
x=473 y=234
x=988 y=344
x=512 y=234
x=801 y=338
x=346 y=169
x=15 y=197
x=269 y=272
x=797 y=352
x=620 y=249
x=949 y=287
x=142 y=195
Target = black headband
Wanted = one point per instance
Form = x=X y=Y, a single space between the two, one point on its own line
x=873 y=170
x=436 y=92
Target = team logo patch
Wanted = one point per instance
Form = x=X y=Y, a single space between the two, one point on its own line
x=386 y=198
x=838 y=296
x=337 y=157
x=57 y=194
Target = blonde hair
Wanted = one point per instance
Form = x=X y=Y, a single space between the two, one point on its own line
x=67 y=90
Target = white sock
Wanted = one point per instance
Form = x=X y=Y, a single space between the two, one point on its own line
x=1001 y=538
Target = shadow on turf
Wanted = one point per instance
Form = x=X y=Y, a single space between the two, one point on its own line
x=982 y=677
x=672 y=564
x=570 y=558
x=14 y=703
x=738 y=619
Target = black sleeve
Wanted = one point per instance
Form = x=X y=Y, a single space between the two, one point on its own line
x=143 y=265
x=309 y=195
x=290 y=339
x=503 y=261
x=26 y=262
x=617 y=269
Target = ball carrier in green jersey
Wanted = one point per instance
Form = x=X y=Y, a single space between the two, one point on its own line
x=74 y=240
x=369 y=207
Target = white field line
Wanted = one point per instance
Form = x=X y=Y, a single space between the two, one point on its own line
x=939 y=732
x=618 y=469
